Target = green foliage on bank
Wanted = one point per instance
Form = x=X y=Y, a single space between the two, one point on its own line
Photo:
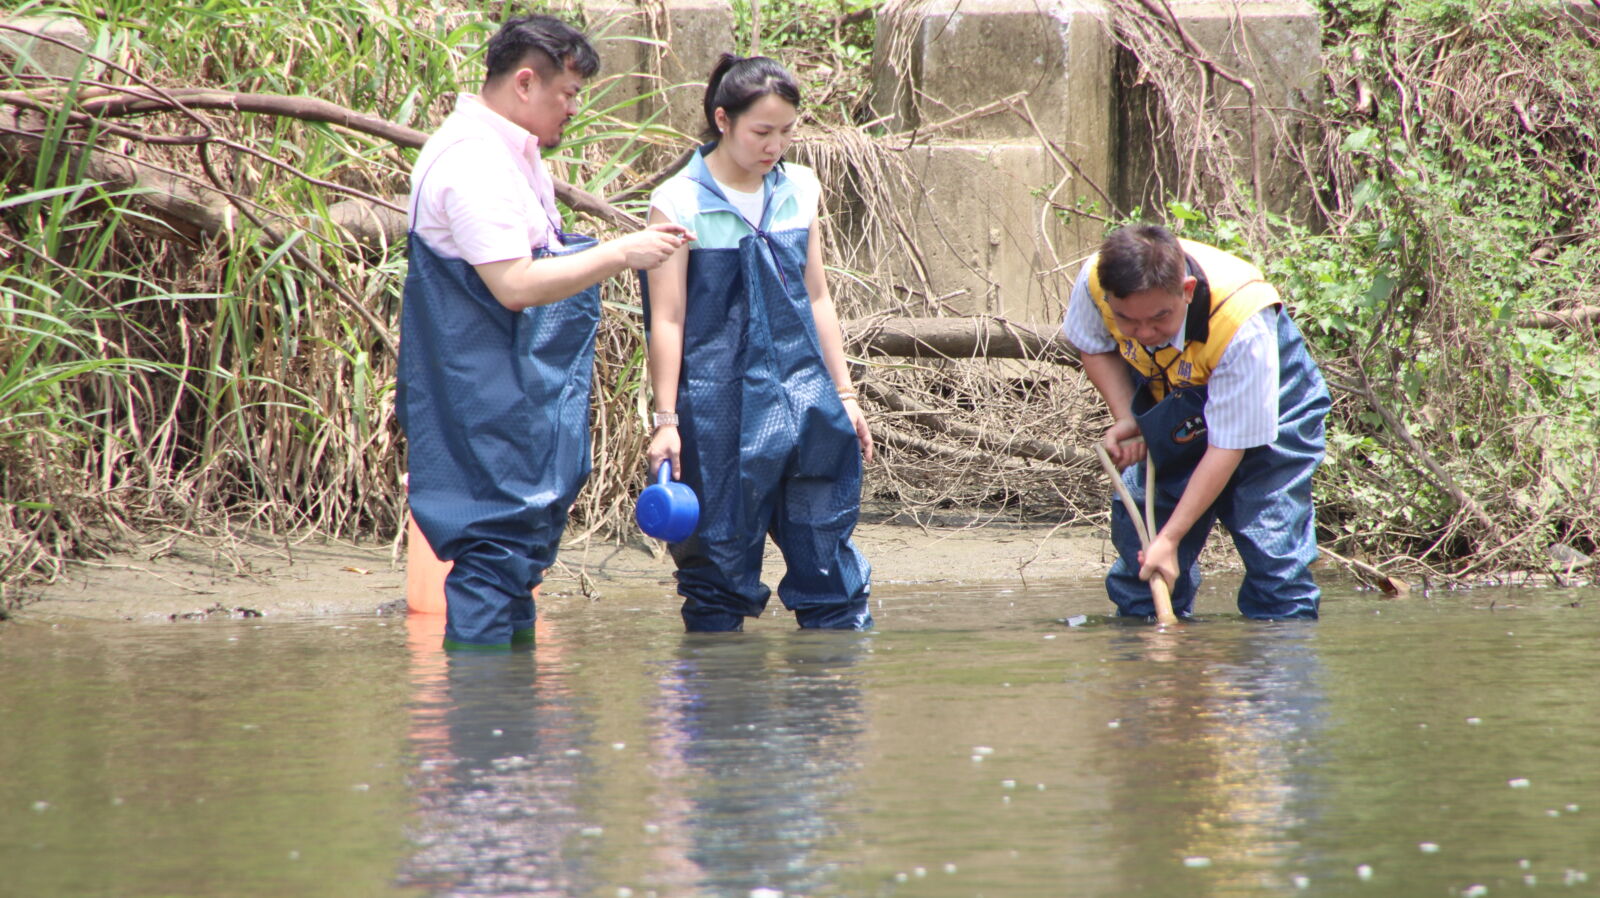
x=1460 y=203
x=154 y=379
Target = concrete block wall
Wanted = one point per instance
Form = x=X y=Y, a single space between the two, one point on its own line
x=978 y=212
x=664 y=49
x=977 y=205
x=1274 y=44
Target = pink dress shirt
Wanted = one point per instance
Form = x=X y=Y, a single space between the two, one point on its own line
x=480 y=191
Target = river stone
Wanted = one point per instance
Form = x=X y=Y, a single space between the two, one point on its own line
x=1566 y=556
x=43 y=56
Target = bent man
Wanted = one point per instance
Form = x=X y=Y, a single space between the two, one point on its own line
x=1191 y=349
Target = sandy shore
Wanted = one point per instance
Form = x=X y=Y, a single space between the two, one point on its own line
x=281 y=578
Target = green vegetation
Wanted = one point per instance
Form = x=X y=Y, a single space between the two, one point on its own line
x=169 y=368
x=1464 y=204
x=165 y=376
x=1445 y=274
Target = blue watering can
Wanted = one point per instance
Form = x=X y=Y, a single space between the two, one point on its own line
x=667 y=510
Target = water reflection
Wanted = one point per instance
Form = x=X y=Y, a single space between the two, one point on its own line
x=1216 y=744
x=760 y=740
x=499 y=741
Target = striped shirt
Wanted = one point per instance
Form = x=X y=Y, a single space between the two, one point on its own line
x=1242 y=392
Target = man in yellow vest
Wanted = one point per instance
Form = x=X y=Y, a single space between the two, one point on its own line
x=1192 y=350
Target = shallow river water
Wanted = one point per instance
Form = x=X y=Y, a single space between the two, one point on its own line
x=984 y=741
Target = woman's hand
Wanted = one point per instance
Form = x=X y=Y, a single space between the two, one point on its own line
x=858 y=422
x=666 y=444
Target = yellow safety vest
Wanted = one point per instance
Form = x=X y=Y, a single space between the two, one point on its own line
x=1229 y=291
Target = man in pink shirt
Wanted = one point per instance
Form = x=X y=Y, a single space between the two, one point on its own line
x=498 y=332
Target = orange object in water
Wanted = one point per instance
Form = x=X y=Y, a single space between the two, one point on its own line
x=425 y=574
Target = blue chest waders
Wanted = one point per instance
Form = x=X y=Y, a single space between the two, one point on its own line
x=495 y=408
x=1266 y=505
x=767 y=445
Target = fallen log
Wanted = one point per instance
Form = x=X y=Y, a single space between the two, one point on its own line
x=959 y=338
x=1576 y=317
x=370 y=226
x=892 y=436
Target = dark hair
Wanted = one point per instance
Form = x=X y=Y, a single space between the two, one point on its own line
x=553 y=45
x=737 y=82
x=1139 y=258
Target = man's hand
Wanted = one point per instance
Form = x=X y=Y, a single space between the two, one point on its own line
x=520 y=283
x=652 y=246
x=1161 y=559
x=1123 y=444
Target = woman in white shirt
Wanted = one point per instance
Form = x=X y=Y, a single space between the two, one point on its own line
x=754 y=405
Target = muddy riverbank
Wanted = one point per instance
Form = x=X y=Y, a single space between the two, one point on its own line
x=310 y=577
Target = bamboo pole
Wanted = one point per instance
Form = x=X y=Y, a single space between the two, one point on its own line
x=1159 y=591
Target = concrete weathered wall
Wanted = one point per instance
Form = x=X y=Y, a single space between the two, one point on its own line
x=664 y=50
x=1274 y=44
x=979 y=205
x=983 y=209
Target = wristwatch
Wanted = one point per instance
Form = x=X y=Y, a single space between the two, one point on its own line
x=665 y=419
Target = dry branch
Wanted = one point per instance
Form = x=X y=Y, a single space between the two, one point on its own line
x=1440 y=475
x=901 y=440
x=130 y=102
x=169 y=194
x=933 y=419
x=1576 y=317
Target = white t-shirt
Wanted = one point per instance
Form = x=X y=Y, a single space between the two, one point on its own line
x=680 y=197
x=480 y=191
x=749 y=203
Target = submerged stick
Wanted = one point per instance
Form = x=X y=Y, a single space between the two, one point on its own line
x=1159 y=592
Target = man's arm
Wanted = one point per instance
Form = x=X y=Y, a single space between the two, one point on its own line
x=522 y=283
x=1205 y=485
x=1108 y=371
x=1085 y=329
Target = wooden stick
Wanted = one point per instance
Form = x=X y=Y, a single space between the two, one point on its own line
x=1159 y=591
x=1150 y=495
x=1158 y=587
x=1123 y=494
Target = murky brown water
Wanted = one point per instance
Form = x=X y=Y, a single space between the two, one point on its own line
x=975 y=745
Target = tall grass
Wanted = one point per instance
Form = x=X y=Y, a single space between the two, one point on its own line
x=157 y=382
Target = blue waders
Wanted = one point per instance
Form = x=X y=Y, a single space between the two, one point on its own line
x=767 y=445
x=1266 y=505
x=495 y=407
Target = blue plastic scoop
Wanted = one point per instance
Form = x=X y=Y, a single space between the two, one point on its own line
x=667 y=509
